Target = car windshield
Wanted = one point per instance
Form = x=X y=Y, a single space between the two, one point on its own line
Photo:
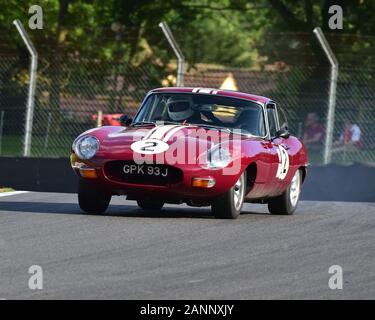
x=203 y=110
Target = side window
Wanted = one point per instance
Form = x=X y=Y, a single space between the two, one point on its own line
x=271 y=114
x=159 y=111
x=283 y=121
x=154 y=108
x=145 y=110
x=262 y=126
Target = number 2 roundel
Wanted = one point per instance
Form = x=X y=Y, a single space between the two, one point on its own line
x=283 y=167
x=149 y=146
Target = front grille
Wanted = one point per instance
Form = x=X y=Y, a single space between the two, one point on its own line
x=114 y=170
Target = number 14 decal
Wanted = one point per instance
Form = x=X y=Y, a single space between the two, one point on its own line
x=283 y=166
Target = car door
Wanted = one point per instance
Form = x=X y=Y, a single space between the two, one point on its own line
x=280 y=151
x=272 y=148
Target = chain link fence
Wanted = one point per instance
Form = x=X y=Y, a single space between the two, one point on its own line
x=72 y=91
x=70 y=94
x=291 y=87
x=302 y=91
x=355 y=109
x=12 y=104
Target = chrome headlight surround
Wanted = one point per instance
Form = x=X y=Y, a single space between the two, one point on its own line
x=86 y=147
x=218 y=157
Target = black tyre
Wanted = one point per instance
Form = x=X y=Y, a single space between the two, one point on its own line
x=91 y=198
x=286 y=203
x=229 y=205
x=148 y=204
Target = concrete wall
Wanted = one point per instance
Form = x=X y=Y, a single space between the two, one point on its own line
x=324 y=183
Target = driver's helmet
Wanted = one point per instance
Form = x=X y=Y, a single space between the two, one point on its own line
x=180 y=107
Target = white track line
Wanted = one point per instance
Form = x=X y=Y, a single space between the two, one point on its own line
x=11 y=193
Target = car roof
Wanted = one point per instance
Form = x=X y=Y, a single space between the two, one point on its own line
x=220 y=92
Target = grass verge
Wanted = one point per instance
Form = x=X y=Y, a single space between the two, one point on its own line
x=3 y=189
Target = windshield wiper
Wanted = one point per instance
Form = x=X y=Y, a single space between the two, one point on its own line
x=178 y=123
x=237 y=131
x=209 y=126
x=143 y=123
x=230 y=130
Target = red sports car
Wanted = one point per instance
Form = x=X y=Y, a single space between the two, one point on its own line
x=199 y=146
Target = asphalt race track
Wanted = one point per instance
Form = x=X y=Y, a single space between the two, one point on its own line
x=182 y=252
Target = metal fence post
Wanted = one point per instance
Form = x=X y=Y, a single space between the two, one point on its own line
x=99 y=120
x=46 y=137
x=2 y=113
x=332 y=94
x=180 y=56
x=32 y=85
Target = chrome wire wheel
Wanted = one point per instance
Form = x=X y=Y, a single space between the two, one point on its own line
x=238 y=192
x=295 y=189
x=229 y=204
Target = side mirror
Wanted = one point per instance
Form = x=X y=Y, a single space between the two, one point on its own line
x=283 y=133
x=125 y=120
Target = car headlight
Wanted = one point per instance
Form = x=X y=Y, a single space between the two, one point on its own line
x=218 y=157
x=86 y=147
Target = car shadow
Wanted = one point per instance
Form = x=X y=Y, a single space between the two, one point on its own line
x=255 y=213
x=113 y=210
x=40 y=207
x=166 y=212
x=131 y=211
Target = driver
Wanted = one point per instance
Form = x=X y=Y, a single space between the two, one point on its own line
x=180 y=108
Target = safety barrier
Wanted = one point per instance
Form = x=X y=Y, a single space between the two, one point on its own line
x=324 y=183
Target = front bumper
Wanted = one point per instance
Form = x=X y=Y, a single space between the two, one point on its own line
x=196 y=182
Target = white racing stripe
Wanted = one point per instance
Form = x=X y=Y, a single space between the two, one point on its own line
x=172 y=132
x=154 y=142
x=158 y=132
x=161 y=131
x=11 y=193
x=205 y=90
x=147 y=136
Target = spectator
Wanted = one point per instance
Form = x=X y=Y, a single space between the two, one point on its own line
x=350 y=138
x=314 y=132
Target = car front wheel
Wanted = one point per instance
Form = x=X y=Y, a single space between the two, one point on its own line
x=286 y=203
x=91 y=198
x=229 y=205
